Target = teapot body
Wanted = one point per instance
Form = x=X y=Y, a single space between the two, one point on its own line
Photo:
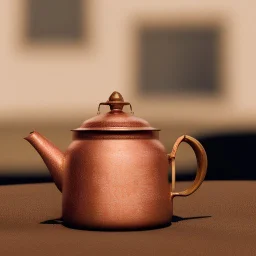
x=116 y=180
x=114 y=175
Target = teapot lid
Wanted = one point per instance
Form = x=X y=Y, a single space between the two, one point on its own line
x=115 y=119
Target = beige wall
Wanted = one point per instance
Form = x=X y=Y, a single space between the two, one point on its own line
x=46 y=86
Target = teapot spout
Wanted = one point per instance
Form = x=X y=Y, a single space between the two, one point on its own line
x=51 y=155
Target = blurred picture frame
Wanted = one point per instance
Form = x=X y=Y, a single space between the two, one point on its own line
x=194 y=105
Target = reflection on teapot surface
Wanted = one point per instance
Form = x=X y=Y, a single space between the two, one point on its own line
x=114 y=174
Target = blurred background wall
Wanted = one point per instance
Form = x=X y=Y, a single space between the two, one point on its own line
x=186 y=67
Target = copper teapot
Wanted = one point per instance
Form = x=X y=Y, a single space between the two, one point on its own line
x=114 y=174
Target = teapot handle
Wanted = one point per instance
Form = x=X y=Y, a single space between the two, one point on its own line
x=201 y=164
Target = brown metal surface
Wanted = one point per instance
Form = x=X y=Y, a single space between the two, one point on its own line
x=115 y=179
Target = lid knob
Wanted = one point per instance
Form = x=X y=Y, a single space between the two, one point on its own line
x=115 y=102
x=116 y=97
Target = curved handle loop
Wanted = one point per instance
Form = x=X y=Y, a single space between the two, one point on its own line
x=201 y=164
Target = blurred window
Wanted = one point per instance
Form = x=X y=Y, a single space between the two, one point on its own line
x=54 y=20
x=179 y=60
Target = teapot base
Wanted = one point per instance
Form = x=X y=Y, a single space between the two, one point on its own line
x=117 y=228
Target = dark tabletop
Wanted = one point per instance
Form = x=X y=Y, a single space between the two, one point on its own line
x=218 y=219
